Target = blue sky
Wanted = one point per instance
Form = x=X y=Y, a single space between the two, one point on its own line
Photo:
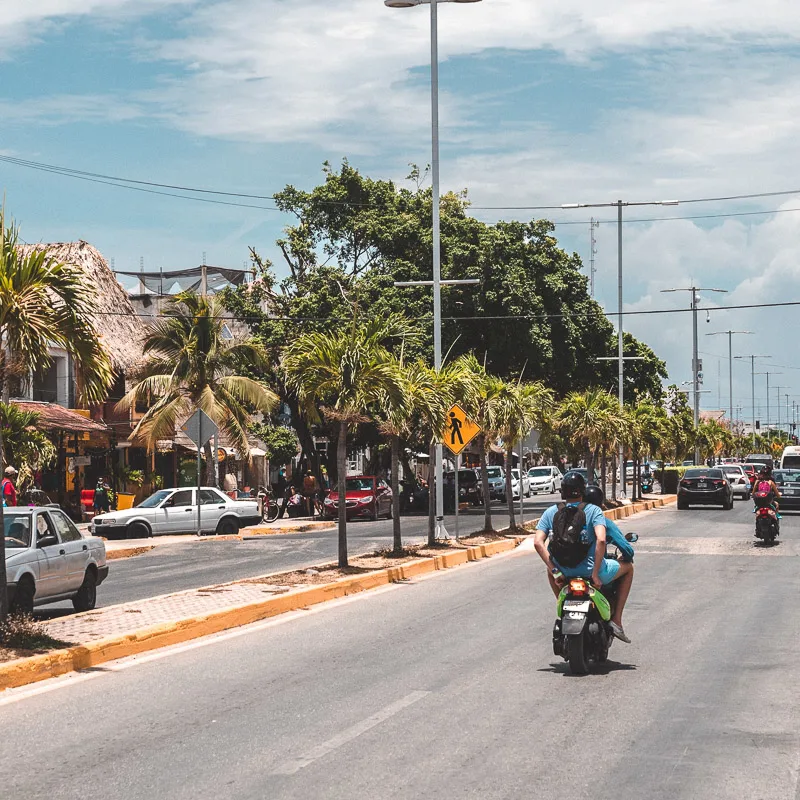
x=542 y=103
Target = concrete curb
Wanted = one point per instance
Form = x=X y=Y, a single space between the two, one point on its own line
x=50 y=665
x=643 y=505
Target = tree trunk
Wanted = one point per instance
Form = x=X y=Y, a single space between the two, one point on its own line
x=512 y=521
x=603 y=470
x=431 y=494
x=341 y=469
x=209 y=464
x=487 y=500
x=613 y=477
x=396 y=533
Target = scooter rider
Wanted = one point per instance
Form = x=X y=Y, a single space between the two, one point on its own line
x=614 y=536
x=765 y=477
x=595 y=565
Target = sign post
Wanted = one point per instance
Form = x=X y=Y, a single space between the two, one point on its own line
x=199 y=428
x=459 y=431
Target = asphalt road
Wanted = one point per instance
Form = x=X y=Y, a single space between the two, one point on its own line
x=173 y=568
x=446 y=687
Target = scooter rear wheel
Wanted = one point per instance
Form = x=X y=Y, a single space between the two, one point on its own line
x=576 y=650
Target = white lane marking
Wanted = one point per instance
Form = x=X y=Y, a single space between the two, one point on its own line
x=347 y=735
x=10 y=696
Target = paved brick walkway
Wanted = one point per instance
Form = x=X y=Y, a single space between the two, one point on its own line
x=127 y=618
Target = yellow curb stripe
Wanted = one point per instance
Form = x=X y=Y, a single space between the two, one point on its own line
x=50 y=665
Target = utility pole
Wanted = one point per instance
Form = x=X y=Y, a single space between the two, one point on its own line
x=753 y=390
x=593 y=225
x=697 y=365
x=730 y=334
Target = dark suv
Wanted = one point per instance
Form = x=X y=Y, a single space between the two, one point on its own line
x=469 y=487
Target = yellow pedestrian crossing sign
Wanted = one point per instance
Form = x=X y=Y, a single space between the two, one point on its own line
x=459 y=430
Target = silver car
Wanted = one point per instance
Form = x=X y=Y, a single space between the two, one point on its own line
x=173 y=511
x=544 y=479
x=738 y=479
x=48 y=559
x=526 y=484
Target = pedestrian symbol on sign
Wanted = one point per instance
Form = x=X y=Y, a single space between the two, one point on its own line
x=455 y=429
x=459 y=430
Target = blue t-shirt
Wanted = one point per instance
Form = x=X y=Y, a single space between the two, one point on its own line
x=594 y=516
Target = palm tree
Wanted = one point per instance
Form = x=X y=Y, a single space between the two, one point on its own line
x=347 y=372
x=44 y=304
x=588 y=419
x=191 y=365
x=515 y=409
x=25 y=443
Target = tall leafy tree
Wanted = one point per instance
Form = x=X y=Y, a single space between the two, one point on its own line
x=190 y=364
x=43 y=304
x=346 y=372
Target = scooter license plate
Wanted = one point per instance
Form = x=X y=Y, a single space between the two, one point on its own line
x=573 y=606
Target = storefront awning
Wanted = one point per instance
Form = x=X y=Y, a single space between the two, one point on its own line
x=53 y=417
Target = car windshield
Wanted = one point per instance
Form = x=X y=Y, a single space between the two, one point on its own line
x=786 y=475
x=359 y=484
x=703 y=473
x=17 y=528
x=732 y=470
x=791 y=462
x=494 y=472
x=515 y=474
x=155 y=499
x=539 y=472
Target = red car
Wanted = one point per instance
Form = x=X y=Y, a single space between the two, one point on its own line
x=366 y=497
x=750 y=469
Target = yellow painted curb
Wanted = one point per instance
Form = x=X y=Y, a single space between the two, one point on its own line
x=113 y=555
x=302 y=527
x=49 y=665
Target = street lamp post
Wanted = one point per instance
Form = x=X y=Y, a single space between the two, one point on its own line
x=695 y=361
x=768 y=373
x=729 y=334
x=437 y=253
x=619 y=204
x=753 y=390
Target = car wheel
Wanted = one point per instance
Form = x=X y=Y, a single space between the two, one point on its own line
x=138 y=530
x=23 y=598
x=86 y=599
x=227 y=527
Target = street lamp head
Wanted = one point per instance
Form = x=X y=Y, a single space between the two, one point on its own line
x=401 y=3
x=670 y=202
x=571 y=205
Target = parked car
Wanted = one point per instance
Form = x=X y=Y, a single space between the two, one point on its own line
x=497 y=483
x=526 y=484
x=174 y=511
x=544 y=479
x=48 y=559
x=738 y=479
x=687 y=462
x=584 y=473
x=365 y=496
x=705 y=485
x=469 y=487
x=788 y=482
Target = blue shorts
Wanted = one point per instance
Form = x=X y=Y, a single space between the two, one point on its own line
x=608 y=571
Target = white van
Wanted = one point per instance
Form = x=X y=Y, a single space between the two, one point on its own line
x=790 y=458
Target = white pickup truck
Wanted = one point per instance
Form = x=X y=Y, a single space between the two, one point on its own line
x=48 y=559
x=173 y=511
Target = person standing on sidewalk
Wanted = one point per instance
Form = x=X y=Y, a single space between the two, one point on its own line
x=309 y=492
x=9 y=487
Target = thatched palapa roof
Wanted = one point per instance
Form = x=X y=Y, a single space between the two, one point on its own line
x=120 y=329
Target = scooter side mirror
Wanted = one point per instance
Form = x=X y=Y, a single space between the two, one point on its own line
x=632 y=537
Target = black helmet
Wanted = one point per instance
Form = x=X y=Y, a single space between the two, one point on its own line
x=594 y=495
x=573 y=485
x=766 y=471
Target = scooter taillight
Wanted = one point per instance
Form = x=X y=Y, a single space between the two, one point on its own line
x=763 y=512
x=578 y=586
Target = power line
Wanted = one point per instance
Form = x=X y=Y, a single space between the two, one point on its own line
x=122 y=182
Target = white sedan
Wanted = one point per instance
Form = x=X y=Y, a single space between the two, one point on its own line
x=544 y=479
x=49 y=559
x=174 y=511
x=526 y=484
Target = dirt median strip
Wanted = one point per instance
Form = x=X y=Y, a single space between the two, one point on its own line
x=83 y=656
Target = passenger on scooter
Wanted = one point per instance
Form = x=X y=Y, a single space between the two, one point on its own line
x=614 y=536
x=765 y=483
x=595 y=566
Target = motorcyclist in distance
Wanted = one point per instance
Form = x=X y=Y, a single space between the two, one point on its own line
x=765 y=477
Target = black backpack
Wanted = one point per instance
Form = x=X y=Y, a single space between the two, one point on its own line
x=566 y=547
